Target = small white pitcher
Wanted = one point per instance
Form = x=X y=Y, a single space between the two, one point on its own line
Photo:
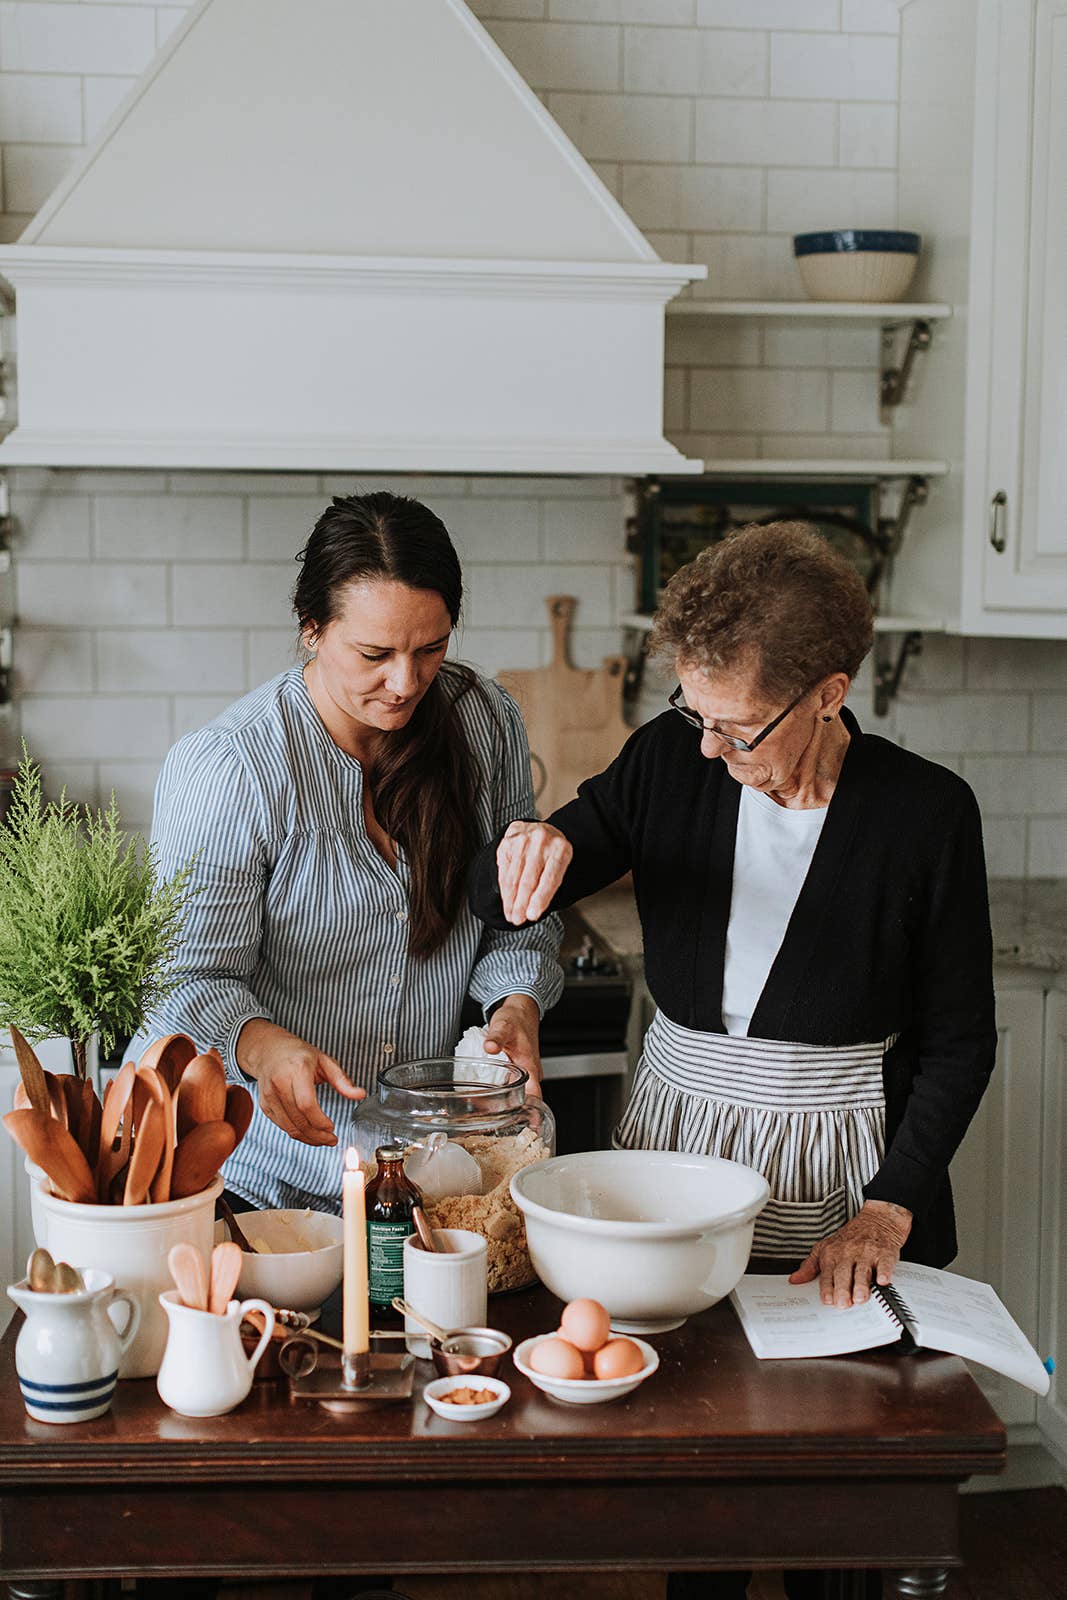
x=205 y=1371
x=68 y=1350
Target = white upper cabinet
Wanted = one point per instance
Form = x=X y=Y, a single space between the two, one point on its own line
x=983 y=173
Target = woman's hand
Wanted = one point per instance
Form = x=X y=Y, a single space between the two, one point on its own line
x=870 y=1242
x=531 y=859
x=514 y=1027
x=287 y=1070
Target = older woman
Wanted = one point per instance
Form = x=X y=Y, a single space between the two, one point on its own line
x=814 y=908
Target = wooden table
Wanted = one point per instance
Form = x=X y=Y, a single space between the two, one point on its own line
x=717 y=1461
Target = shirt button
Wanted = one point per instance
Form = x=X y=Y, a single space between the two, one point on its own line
x=401 y=916
x=395 y=978
x=388 y=1049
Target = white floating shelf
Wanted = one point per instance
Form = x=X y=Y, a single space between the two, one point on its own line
x=890 y=624
x=769 y=468
x=858 y=310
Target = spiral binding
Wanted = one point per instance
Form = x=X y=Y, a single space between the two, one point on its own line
x=898 y=1309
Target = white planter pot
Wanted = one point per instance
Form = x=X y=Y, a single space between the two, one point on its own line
x=132 y=1243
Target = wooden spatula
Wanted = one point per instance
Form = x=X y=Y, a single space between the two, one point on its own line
x=170 y=1056
x=31 y=1073
x=148 y=1144
x=225 y=1271
x=49 y=1144
x=201 y=1093
x=239 y=1109
x=187 y=1269
x=199 y=1156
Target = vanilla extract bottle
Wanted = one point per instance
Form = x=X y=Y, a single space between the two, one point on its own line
x=391 y=1197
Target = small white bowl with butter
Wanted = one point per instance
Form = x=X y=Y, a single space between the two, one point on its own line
x=299 y=1257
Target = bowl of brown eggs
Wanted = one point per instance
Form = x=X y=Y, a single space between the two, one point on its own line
x=583 y=1363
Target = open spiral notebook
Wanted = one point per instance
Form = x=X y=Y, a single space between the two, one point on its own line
x=940 y=1310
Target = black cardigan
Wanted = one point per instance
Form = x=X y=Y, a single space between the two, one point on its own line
x=890 y=933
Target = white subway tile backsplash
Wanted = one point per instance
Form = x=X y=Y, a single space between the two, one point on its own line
x=1049 y=726
x=725 y=342
x=83 y=594
x=1005 y=846
x=494 y=650
x=265 y=484
x=1005 y=663
x=514 y=595
x=1011 y=786
x=825 y=446
x=615 y=127
x=733 y=63
x=102 y=97
x=133 y=784
x=584 y=530
x=693 y=197
x=735 y=399
x=1047 y=854
x=490 y=10
x=661 y=60
x=36 y=108
x=963 y=722
x=52 y=661
x=799 y=202
x=563 y=55
x=746 y=266
x=96 y=728
x=819 y=14
x=675 y=399
x=169 y=527
x=812 y=344
x=32 y=171
x=77 y=778
x=846 y=67
x=545 y=488
x=278 y=525
x=51 y=526
x=665 y=12
x=868 y=136
x=231 y=594
x=870 y=16
x=170 y=660
x=193 y=711
x=762 y=133
x=61 y=37
x=496 y=530
x=270 y=651
x=854 y=403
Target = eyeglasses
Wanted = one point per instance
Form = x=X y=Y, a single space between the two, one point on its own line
x=676 y=703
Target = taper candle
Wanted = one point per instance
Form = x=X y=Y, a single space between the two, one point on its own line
x=356 y=1326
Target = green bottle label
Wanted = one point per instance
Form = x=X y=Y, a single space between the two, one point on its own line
x=385 y=1260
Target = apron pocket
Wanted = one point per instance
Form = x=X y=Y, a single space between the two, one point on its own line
x=788 y=1228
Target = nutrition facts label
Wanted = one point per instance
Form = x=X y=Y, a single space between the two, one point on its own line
x=385 y=1260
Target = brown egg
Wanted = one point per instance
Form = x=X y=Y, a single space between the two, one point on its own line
x=619 y=1358
x=586 y=1324
x=557 y=1358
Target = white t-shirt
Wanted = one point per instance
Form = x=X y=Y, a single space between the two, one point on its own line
x=771 y=860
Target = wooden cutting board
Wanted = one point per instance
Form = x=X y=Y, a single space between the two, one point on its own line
x=573 y=715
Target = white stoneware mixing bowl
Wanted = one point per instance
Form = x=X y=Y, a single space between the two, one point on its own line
x=654 y=1235
x=306 y=1257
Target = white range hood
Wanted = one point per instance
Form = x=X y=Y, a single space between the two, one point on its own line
x=338 y=235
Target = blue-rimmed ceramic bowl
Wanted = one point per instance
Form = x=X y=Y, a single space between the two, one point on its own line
x=865 y=264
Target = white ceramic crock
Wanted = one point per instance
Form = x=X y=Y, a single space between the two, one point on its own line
x=68 y=1350
x=205 y=1371
x=132 y=1243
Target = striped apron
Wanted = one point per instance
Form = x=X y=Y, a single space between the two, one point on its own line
x=810 y=1118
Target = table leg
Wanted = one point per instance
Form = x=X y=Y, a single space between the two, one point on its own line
x=923 y=1583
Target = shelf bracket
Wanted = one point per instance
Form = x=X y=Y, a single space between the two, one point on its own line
x=887 y=671
x=894 y=381
x=892 y=529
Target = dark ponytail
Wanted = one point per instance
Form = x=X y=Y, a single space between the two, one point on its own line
x=425 y=781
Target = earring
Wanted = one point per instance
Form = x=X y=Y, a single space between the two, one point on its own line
x=828 y=719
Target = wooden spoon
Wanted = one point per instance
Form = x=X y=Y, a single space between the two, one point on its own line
x=202 y=1093
x=237 y=1233
x=187 y=1269
x=199 y=1156
x=156 y=1085
x=41 y=1271
x=170 y=1056
x=239 y=1109
x=31 y=1073
x=116 y=1100
x=83 y=1115
x=53 y=1149
x=225 y=1271
x=148 y=1145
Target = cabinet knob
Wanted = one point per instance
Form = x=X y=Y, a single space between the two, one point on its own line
x=997 y=537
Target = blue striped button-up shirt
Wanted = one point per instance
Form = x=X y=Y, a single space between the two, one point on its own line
x=300 y=920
